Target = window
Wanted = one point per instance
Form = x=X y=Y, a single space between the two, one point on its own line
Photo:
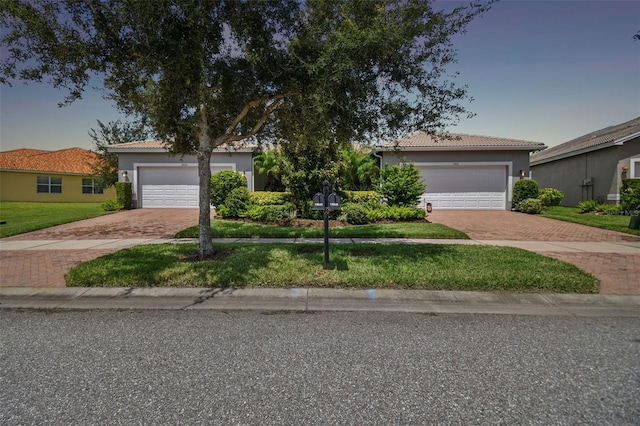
x=91 y=186
x=49 y=185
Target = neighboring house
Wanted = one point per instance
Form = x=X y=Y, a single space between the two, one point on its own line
x=464 y=171
x=164 y=180
x=592 y=166
x=50 y=176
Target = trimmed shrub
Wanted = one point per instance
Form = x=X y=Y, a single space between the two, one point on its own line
x=524 y=189
x=609 y=209
x=355 y=214
x=630 y=194
x=123 y=195
x=404 y=214
x=111 y=206
x=222 y=183
x=268 y=198
x=401 y=185
x=236 y=203
x=361 y=197
x=271 y=213
x=530 y=206
x=550 y=196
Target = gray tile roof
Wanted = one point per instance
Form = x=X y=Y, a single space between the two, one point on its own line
x=599 y=139
x=156 y=145
x=460 y=141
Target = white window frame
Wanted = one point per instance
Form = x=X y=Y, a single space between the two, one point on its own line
x=634 y=166
x=48 y=185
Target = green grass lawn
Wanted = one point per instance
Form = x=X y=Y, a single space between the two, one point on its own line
x=25 y=217
x=233 y=229
x=572 y=214
x=422 y=266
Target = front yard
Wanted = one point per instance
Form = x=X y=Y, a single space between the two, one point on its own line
x=21 y=217
x=410 y=266
x=571 y=214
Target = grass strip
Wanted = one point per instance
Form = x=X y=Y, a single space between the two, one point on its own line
x=24 y=217
x=235 y=229
x=571 y=214
x=421 y=266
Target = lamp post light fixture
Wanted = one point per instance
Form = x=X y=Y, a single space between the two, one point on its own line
x=522 y=174
x=124 y=176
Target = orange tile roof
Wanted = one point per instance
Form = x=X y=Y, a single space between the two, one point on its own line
x=71 y=160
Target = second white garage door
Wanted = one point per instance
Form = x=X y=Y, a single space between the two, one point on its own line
x=171 y=187
x=466 y=187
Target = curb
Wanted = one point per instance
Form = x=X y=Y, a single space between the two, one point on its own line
x=319 y=299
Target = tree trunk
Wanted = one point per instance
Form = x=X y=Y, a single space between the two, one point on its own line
x=204 y=184
x=204 y=221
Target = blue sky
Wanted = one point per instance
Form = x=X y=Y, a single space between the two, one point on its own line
x=545 y=71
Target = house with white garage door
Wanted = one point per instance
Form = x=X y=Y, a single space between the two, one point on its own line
x=464 y=171
x=161 y=179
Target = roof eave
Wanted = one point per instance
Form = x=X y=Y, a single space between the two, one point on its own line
x=528 y=148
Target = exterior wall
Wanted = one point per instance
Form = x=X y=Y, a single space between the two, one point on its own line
x=22 y=186
x=126 y=161
x=604 y=169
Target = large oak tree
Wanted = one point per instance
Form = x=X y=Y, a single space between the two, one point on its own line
x=205 y=74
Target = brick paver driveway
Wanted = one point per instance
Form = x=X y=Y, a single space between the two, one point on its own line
x=46 y=268
x=618 y=273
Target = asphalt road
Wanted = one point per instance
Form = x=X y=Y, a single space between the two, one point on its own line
x=211 y=367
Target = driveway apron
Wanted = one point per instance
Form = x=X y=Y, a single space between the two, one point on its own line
x=619 y=273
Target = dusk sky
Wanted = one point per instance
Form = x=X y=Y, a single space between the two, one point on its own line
x=544 y=71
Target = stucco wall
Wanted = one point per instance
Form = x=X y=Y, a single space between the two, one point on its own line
x=126 y=161
x=603 y=166
x=23 y=186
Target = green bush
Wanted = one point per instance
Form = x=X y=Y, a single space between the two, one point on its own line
x=361 y=197
x=355 y=214
x=550 y=196
x=235 y=205
x=111 y=206
x=530 y=206
x=271 y=213
x=222 y=183
x=404 y=214
x=400 y=185
x=588 y=206
x=630 y=195
x=268 y=198
x=524 y=189
x=609 y=209
x=123 y=195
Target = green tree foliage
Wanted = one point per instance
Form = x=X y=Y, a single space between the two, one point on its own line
x=205 y=74
x=107 y=135
x=269 y=163
x=223 y=183
x=360 y=168
x=524 y=189
x=401 y=185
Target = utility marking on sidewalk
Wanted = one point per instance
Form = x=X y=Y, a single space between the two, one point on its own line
x=372 y=294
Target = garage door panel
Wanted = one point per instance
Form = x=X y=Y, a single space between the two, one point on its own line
x=465 y=187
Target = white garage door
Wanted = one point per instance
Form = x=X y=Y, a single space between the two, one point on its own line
x=466 y=187
x=170 y=187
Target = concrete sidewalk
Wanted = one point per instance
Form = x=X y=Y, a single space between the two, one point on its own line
x=311 y=300
x=622 y=247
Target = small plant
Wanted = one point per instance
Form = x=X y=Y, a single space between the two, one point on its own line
x=588 y=206
x=267 y=198
x=404 y=214
x=524 y=189
x=111 y=206
x=530 y=206
x=222 y=183
x=550 y=196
